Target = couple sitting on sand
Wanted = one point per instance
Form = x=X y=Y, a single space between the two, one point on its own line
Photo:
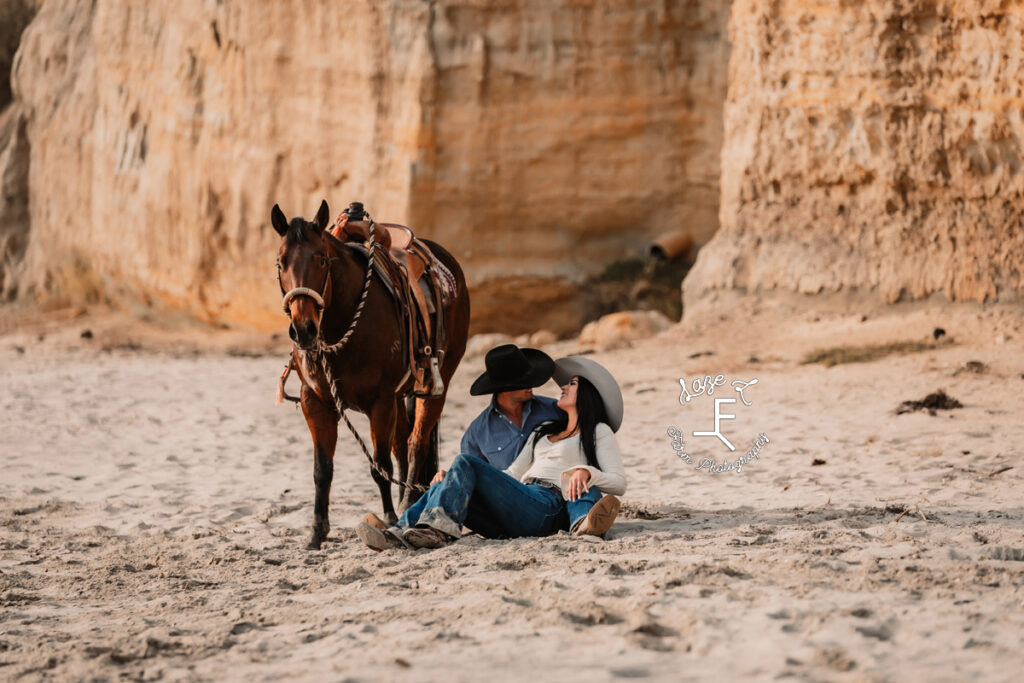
x=530 y=466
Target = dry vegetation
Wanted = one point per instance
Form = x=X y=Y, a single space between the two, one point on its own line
x=837 y=355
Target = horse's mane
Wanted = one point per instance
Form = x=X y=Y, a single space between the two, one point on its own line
x=297 y=230
x=342 y=247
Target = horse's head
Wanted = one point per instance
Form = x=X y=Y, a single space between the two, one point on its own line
x=303 y=267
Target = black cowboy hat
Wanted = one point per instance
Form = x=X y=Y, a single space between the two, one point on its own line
x=510 y=368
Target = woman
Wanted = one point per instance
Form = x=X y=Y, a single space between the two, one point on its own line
x=555 y=483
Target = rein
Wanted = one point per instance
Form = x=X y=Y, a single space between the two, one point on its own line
x=321 y=350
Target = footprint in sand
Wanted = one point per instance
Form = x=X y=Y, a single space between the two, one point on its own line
x=630 y=672
x=834 y=658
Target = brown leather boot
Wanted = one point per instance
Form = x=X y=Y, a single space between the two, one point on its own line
x=600 y=518
x=374 y=521
x=426 y=537
x=377 y=539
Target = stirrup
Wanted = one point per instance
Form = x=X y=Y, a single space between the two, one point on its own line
x=435 y=377
x=428 y=380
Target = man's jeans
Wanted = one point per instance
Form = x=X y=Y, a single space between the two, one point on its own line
x=478 y=495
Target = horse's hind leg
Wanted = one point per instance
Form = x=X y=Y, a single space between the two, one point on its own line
x=404 y=412
x=423 y=459
x=382 y=428
x=323 y=426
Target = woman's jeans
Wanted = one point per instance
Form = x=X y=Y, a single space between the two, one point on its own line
x=478 y=495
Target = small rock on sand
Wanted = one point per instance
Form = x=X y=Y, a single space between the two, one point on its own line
x=479 y=344
x=542 y=338
x=617 y=329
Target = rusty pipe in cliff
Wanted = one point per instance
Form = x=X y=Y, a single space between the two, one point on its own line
x=670 y=246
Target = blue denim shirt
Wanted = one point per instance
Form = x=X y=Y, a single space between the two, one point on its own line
x=494 y=438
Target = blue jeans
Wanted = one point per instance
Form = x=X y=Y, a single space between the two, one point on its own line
x=478 y=495
x=578 y=509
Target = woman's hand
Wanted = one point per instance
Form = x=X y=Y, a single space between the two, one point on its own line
x=438 y=477
x=577 y=484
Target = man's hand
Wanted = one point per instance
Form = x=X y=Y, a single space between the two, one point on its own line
x=438 y=477
x=578 y=484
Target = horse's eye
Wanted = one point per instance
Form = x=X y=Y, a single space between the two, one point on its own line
x=323 y=261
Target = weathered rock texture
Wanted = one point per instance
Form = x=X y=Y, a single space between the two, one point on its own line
x=14 y=220
x=872 y=146
x=15 y=15
x=536 y=139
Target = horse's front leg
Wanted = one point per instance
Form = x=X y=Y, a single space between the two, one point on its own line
x=323 y=426
x=382 y=428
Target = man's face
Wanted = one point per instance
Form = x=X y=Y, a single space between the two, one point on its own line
x=517 y=396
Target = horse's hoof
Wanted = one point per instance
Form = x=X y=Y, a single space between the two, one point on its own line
x=320 y=532
x=391 y=518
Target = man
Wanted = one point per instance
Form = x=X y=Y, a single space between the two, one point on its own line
x=499 y=432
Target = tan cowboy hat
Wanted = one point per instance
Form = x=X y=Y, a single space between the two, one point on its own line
x=578 y=366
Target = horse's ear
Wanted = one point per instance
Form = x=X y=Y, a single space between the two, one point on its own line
x=322 y=216
x=278 y=220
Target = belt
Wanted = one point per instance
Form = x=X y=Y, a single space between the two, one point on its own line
x=534 y=481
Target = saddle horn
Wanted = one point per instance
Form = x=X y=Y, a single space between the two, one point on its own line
x=355 y=211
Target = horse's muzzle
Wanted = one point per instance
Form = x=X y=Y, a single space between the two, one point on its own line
x=303 y=335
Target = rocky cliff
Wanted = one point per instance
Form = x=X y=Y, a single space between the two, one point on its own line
x=536 y=139
x=872 y=147
x=14 y=216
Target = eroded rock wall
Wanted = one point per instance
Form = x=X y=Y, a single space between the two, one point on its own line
x=537 y=140
x=14 y=216
x=564 y=135
x=871 y=146
x=161 y=135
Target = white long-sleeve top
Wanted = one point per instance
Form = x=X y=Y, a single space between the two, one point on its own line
x=555 y=462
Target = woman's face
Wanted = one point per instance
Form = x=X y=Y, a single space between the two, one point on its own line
x=568 y=399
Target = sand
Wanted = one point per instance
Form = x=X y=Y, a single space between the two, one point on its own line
x=155 y=508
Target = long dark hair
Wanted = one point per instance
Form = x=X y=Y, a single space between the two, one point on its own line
x=589 y=413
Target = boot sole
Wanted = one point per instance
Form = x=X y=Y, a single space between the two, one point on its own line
x=423 y=538
x=375 y=538
x=601 y=517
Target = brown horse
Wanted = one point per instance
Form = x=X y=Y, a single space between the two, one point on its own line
x=370 y=371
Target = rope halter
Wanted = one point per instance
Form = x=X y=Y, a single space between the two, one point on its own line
x=312 y=294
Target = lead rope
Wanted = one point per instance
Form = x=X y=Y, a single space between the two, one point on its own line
x=321 y=350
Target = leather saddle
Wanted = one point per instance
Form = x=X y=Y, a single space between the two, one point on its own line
x=417 y=292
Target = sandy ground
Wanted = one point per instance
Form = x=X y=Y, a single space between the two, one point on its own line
x=155 y=505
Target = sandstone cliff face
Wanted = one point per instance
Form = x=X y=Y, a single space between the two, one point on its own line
x=161 y=135
x=563 y=136
x=536 y=140
x=872 y=147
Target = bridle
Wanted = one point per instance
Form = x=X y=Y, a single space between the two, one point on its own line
x=317 y=297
